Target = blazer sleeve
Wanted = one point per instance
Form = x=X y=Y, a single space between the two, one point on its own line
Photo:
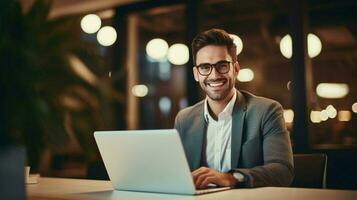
x=277 y=169
x=177 y=124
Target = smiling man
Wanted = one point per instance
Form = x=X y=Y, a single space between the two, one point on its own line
x=232 y=138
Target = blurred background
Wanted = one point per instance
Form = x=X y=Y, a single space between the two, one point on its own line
x=70 y=67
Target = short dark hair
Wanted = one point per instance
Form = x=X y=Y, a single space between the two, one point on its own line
x=214 y=37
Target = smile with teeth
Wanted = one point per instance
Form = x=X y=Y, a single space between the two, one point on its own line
x=216 y=83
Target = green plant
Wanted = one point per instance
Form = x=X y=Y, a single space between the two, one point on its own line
x=42 y=97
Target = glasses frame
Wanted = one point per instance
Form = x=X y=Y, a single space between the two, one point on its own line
x=215 y=65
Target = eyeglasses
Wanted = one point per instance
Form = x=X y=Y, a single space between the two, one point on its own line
x=221 y=67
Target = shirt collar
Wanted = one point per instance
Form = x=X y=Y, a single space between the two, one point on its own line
x=227 y=111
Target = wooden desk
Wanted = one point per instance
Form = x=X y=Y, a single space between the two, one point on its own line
x=59 y=188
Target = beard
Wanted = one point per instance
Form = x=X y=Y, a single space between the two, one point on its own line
x=217 y=93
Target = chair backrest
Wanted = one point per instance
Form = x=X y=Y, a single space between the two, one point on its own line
x=310 y=170
x=12 y=179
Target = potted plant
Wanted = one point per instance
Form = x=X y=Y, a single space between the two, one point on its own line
x=46 y=89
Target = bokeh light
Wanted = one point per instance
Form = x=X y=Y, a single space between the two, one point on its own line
x=286 y=46
x=165 y=105
x=314 y=46
x=315 y=116
x=331 y=111
x=245 y=75
x=178 y=54
x=106 y=36
x=354 y=107
x=238 y=42
x=344 y=115
x=289 y=115
x=323 y=115
x=140 y=90
x=332 y=90
x=157 y=48
x=91 y=23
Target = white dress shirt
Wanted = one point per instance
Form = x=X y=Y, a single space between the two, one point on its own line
x=219 y=134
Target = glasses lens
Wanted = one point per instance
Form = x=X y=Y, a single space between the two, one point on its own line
x=222 y=67
x=204 y=69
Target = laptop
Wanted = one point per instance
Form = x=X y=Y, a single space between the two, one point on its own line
x=147 y=161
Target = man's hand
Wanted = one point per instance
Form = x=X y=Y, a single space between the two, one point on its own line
x=204 y=176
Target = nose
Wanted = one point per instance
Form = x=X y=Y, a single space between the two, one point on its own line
x=214 y=73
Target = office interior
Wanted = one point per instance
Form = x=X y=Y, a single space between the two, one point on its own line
x=71 y=67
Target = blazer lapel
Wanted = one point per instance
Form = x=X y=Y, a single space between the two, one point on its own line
x=238 y=116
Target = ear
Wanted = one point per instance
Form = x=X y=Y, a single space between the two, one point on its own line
x=195 y=74
x=236 y=67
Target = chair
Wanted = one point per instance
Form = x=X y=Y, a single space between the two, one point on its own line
x=96 y=170
x=310 y=170
x=12 y=162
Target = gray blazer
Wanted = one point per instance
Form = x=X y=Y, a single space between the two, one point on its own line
x=260 y=148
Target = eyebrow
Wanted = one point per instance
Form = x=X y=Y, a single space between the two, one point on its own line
x=214 y=63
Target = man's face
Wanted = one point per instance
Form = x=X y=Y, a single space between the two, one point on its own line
x=216 y=85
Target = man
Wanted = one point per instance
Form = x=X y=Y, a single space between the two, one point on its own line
x=232 y=138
